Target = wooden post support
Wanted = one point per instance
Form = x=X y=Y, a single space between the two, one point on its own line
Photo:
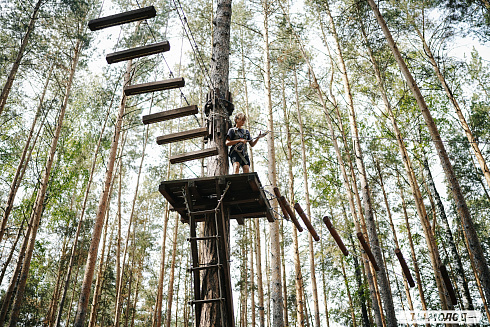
x=449 y=286
x=290 y=213
x=335 y=236
x=281 y=204
x=405 y=269
x=307 y=222
x=366 y=248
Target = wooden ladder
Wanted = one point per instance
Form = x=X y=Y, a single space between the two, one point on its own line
x=221 y=246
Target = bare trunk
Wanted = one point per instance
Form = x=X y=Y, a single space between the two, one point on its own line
x=421 y=211
x=252 y=284
x=38 y=205
x=99 y=221
x=12 y=250
x=218 y=165
x=276 y=291
x=260 y=286
x=472 y=240
x=366 y=197
x=349 y=296
x=314 y=289
x=170 y=292
x=24 y=159
x=13 y=71
x=346 y=183
x=469 y=135
x=460 y=275
x=157 y=319
x=80 y=220
x=300 y=317
x=412 y=250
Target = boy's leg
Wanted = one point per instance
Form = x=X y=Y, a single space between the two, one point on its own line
x=246 y=168
x=236 y=167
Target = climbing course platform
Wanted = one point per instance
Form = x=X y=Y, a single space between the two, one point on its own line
x=245 y=197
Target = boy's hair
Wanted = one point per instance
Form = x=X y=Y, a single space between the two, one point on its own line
x=240 y=116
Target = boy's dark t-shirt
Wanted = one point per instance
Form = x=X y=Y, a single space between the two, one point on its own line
x=238 y=133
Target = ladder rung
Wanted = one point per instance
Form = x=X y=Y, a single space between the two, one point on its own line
x=180 y=136
x=122 y=18
x=170 y=114
x=193 y=155
x=133 y=53
x=203 y=212
x=206 y=301
x=205 y=267
x=203 y=238
x=154 y=86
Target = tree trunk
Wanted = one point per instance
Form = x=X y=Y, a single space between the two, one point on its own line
x=314 y=289
x=300 y=317
x=15 y=276
x=157 y=320
x=412 y=250
x=81 y=219
x=24 y=159
x=13 y=71
x=12 y=250
x=170 y=291
x=41 y=194
x=99 y=221
x=217 y=165
x=469 y=135
x=100 y=276
x=252 y=285
x=346 y=183
x=472 y=240
x=421 y=211
x=366 y=198
x=276 y=291
x=460 y=275
x=260 y=286
x=349 y=296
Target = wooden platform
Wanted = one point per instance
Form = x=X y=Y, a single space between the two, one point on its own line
x=245 y=197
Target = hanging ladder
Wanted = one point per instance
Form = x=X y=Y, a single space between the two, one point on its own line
x=221 y=248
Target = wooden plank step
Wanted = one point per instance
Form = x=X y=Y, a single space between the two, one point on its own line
x=193 y=155
x=206 y=301
x=122 y=18
x=154 y=86
x=170 y=114
x=180 y=136
x=204 y=267
x=138 y=52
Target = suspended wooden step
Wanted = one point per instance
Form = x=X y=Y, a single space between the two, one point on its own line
x=154 y=86
x=367 y=249
x=133 y=53
x=170 y=114
x=180 y=136
x=122 y=18
x=193 y=155
x=335 y=235
x=405 y=269
x=307 y=222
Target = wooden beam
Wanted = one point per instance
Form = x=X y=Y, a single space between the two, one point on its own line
x=138 y=52
x=154 y=86
x=335 y=235
x=449 y=286
x=367 y=249
x=170 y=114
x=180 y=136
x=307 y=222
x=281 y=203
x=122 y=18
x=291 y=213
x=405 y=269
x=193 y=155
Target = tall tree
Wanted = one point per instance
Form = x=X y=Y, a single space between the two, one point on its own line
x=472 y=239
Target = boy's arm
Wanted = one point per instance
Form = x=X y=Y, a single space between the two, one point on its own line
x=253 y=142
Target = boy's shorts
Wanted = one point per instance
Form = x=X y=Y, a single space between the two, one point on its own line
x=235 y=157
